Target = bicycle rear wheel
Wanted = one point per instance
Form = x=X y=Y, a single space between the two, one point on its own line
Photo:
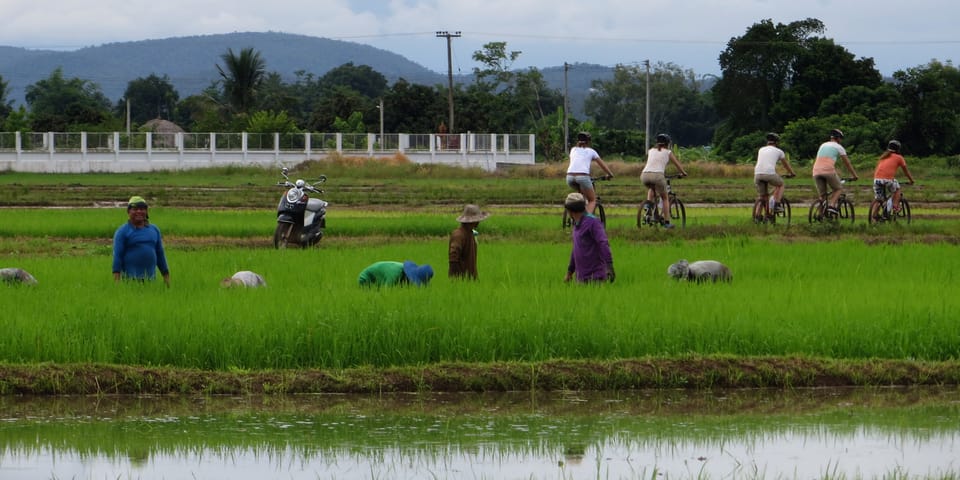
x=816 y=212
x=645 y=214
x=877 y=213
x=567 y=220
x=601 y=214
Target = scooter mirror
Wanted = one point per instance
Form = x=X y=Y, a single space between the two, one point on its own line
x=323 y=178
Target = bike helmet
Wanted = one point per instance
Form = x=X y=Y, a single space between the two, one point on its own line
x=836 y=133
x=894 y=146
x=773 y=137
x=583 y=137
x=663 y=138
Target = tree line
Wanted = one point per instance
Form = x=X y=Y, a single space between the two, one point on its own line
x=784 y=78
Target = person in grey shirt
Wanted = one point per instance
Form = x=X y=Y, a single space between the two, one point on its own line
x=244 y=278
x=17 y=275
x=701 y=271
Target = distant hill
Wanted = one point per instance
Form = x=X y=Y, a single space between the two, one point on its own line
x=190 y=63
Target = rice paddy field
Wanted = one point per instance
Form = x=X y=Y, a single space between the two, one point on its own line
x=865 y=304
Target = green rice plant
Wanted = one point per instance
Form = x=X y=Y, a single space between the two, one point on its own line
x=840 y=300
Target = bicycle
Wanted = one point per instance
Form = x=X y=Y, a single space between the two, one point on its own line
x=881 y=211
x=599 y=212
x=761 y=210
x=650 y=213
x=819 y=212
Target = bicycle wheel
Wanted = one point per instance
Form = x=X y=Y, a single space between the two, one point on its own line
x=678 y=212
x=876 y=213
x=845 y=207
x=567 y=220
x=904 y=213
x=816 y=212
x=645 y=214
x=601 y=214
x=784 y=214
x=757 y=212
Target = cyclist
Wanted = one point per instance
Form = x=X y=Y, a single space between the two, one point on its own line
x=884 y=177
x=825 y=171
x=653 y=177
x=582 y=156
x=765 y=173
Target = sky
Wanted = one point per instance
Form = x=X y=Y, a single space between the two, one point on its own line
x=548 y=33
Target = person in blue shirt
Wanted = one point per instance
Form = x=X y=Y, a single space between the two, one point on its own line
x=138 y=246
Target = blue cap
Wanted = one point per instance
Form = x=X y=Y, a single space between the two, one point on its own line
x=418 y=275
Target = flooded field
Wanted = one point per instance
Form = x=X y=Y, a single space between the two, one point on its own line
x=802 y=434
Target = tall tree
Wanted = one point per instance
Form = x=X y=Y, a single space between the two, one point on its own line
x=6 y=106
x=57 y=103
x=150 y=97
x=413 y=108
x=930 y=94
x=242 y=76
x=677 y=104
x=363 y=79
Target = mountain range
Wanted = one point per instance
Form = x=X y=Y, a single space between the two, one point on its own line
x=190 y=63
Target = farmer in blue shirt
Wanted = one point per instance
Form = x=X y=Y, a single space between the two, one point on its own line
x=590 y=260
x=138 y=246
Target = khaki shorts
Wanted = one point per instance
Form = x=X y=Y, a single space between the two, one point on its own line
x=764 y=179
x=655 y=180
x=831 y=180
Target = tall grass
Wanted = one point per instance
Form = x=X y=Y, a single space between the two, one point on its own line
x=842 y=300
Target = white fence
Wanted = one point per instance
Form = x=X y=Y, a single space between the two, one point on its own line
x=81 y=152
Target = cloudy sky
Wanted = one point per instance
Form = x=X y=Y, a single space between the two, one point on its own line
x=689 y=33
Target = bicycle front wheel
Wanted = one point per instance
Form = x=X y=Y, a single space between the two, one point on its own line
x=784 y=214
x=678 y=212
x=904 y=213
x=845 y=207
x=602 y=215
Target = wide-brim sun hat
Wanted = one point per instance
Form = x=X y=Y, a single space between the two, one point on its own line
x=471 y=214
x=418 y=275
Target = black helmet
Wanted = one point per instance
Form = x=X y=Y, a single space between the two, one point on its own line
x=773 y=137
x=894 y=146
x=583 y=137
x=663 y=138
x=836 y=133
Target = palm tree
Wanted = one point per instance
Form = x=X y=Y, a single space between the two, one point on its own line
x=243 y=76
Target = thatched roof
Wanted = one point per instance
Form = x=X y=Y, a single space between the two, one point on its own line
x=159 y=125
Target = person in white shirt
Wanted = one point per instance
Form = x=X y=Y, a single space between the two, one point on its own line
x=582 y=156
x=244 y=278
x=765 y=174
x=654 y=178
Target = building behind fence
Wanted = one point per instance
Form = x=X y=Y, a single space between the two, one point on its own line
x=82 y=152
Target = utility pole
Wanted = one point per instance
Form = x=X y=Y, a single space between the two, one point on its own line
x=449 y=36
x=380 y=107
x=646 y=122
x=566 y=108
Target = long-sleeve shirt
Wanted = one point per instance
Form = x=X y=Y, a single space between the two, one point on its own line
x=138 y=252
x=463 y=254
x=381 y=274
x=591 y=258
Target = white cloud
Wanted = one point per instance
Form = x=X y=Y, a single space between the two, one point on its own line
x=690 y=33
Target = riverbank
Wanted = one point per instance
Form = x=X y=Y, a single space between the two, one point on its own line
x=694 y=372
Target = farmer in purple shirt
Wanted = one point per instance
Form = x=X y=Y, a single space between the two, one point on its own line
x=590 y=259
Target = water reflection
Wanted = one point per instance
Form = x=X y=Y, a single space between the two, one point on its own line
x=811 y=433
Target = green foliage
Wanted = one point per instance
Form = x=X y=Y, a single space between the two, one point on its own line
x=151 y=97
x=271 y=122
x=57 y=103
x=930 y=94
x=242 y=76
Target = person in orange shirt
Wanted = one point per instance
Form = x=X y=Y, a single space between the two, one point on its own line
x=885 y=182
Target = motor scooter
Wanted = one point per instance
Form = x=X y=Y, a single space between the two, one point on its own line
x=300 y=218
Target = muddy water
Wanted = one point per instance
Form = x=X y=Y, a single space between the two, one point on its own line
x=815 y=433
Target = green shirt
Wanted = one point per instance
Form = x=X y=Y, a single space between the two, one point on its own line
x=382 y=273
